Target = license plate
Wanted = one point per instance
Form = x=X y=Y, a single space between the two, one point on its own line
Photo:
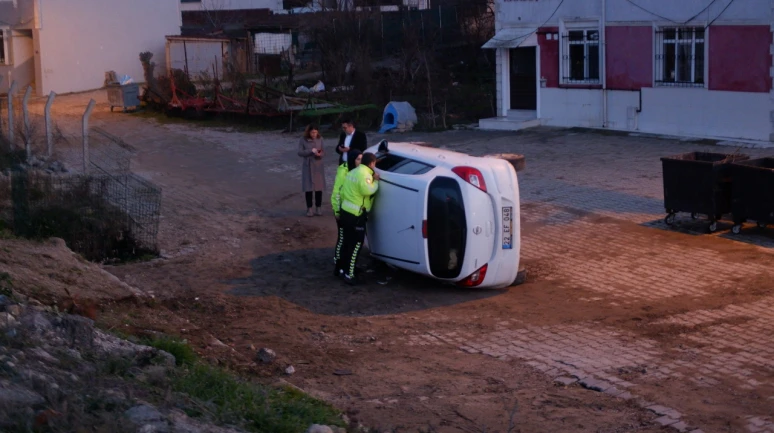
x=507 y=227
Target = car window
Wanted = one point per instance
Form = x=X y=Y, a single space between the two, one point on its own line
x=401 y=165
x=446 y=227
x=411 y=167
x=387 y=161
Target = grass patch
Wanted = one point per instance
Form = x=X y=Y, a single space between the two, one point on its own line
x=235 y=122
x=6 y=284
x=183 y=353
x=255 y=407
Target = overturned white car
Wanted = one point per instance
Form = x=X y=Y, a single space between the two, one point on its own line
x=447 y=215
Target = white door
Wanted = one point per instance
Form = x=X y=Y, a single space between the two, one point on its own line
x=395 y=222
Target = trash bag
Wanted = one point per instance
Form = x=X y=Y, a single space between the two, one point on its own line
x=319 y=87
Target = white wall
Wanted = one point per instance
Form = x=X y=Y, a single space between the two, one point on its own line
x=82 y=39
x=16 y=15
x=215 y=5
x=23 y=56
x=571 y=107
x=537 y=12
x=673 y=111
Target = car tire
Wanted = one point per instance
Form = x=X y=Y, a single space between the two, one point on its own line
x=521 y=277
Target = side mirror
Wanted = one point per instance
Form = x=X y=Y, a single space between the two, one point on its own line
x=383 y=147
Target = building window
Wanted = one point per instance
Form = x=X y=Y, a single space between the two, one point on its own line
x=4 y=52
x=680 y=57
x=580 y=56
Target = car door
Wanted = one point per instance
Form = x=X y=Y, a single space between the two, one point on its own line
x=395 y=223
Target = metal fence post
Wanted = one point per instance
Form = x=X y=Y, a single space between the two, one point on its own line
x=26 y=117
x=85 y=131
x=11 y=91
x=47 y=117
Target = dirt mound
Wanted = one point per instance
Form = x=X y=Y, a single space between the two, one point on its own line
x=51 y=273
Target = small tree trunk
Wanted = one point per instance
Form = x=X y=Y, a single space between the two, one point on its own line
x=429 y=90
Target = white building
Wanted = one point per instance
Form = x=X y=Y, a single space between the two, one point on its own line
x=68 y=45
x=693 y=67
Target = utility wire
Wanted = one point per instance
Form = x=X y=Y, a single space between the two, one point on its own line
x=671 y=20
x=719 y=15
x=700 y=12
x=653 y=13
x=526 y=35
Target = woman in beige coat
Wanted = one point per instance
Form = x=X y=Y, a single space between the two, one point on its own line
x=310 y=148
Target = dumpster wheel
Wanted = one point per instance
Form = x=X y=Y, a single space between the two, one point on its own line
x=670 y=219
x=713 y=226
x=736 y=229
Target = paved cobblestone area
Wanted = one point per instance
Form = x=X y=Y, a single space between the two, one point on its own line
x=578 y=193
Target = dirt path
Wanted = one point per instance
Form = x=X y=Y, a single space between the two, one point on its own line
x=607 y=299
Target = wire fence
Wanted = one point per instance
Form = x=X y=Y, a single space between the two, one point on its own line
x=57 y=183
x=102 y=217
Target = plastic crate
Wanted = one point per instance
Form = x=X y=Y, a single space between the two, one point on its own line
x=753 y=192
x=698 y=183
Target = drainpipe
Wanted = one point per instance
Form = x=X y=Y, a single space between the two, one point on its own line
x=603 y=40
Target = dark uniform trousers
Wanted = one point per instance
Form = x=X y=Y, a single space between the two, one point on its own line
x=353 y=228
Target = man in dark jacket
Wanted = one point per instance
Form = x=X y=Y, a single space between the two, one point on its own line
x=350 y=138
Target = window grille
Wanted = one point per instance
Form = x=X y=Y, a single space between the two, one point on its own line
x=680 y=56
x=580 y=57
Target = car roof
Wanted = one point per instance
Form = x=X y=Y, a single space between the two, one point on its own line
x=430 y=155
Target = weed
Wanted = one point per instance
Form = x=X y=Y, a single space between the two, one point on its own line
x=183 y=353
x=117 y=366
x=259 y=408
x=6 y=284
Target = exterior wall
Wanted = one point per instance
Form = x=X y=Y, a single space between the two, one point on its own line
x=23 y=56
x=739 y=58
x=629 y=57
x=215 y=5
x=520 y=12
x=736 y=102
x=549 y=55
x=16 y=16
x=81 y=40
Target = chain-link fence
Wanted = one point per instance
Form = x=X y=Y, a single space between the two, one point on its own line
x=26 y=131
x=56 y=182
x=102 y=217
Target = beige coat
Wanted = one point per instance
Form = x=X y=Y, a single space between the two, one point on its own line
x=312 y=167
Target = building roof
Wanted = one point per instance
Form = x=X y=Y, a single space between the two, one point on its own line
x=237 y=21
x=201 y=37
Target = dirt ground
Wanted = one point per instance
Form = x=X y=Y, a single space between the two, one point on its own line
x=242 y=268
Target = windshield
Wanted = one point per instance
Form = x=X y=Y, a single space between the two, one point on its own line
x=446 y=228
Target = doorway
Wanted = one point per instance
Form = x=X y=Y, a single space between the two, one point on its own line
x=523 y=67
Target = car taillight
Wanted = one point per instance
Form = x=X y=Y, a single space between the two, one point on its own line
x=471 y=176
x=475 y=278
x=424 y=229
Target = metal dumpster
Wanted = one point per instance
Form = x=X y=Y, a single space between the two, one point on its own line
x=753 y=192
x=124 y=96
x=698 y=183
